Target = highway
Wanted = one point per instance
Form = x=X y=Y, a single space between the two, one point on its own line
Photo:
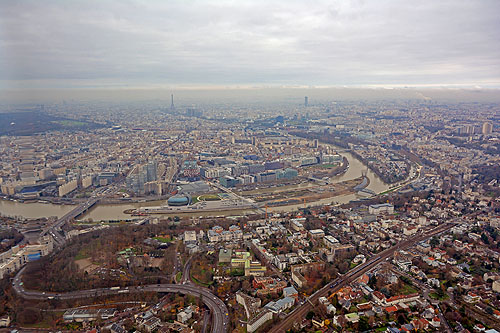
x=299 y=313
x=218 y=310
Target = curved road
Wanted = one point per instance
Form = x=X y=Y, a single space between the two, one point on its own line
x=220 y=317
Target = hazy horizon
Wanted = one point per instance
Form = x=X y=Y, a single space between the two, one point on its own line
x=247 y=95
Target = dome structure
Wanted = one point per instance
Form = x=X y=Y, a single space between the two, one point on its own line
x=179 y=200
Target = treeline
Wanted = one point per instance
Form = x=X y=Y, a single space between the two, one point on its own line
x=59 y=272
x=9 y=238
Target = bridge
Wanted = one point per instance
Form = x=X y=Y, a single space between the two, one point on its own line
x=228 y=191
x=74 y=213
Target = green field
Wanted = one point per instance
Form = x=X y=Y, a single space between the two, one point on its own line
x=81 y=255
x=209 y=197
x=437 y=297
x=407 y=289
x=70 y=123
x=163 y=239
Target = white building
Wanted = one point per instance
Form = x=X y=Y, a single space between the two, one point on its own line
x=385 y=208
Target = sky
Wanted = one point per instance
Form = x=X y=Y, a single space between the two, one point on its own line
x=197 y=44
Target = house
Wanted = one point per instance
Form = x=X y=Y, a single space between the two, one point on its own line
x=352 y=317
x=5 y=321
x=472 y=297
x=151 y=324
x=190 y=237
x=185 y=315
x=378 y=297
x=391 y=309
x=402 y=299
x=331 y=309
x=496 y=286
x=420 y=324
x=435 y=322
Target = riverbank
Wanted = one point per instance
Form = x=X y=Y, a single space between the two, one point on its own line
x=114 y=211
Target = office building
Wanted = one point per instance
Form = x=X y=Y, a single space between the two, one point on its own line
x=487 y=128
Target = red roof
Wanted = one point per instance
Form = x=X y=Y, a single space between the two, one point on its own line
x=391 y=309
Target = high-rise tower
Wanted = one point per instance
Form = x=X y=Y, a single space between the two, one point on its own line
x=487 y=128
x=172 y=103
x=306 y=101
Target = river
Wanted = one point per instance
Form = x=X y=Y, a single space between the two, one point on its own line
x=115 y=211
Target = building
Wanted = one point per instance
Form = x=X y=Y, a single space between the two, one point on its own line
x=68 y=187
x=225 y=255
x=190 y=237
x=179 y=200
x=251 y=304
x=86 y=315
x=17 y=256
x=228 y=181
x=496 y=286
x=330 y=241
x=140 y=175
x=299 y=270
x=317 y=233
x=151 y=324
x=290 y=292
x=280 y=305
x=260 y=319
x=385 y=208
x=296 y=224
x=185 y=315
x=487 y=128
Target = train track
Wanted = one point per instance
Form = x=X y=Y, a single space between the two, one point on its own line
x=300 y=312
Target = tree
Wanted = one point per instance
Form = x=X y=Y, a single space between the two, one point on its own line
x=310 y=315
x=363 y=324
x=434 y=241
x=373 y=281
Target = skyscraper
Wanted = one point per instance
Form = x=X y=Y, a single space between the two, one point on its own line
x=306 y=101
x=172 y=103
x=487 y=128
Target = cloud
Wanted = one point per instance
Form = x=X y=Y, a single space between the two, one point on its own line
x=141 y=43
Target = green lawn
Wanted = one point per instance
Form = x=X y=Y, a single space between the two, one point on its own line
x=81 y=255
x=201 y=283
x=178 y=276
x=163 y=239
x=70 y=123
x=408 y=289
x=436 y=296
x=209 y=197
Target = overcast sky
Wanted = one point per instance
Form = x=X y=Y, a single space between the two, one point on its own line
x=93 y=44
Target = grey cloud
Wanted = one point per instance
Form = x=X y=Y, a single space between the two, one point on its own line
x=140 y=43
